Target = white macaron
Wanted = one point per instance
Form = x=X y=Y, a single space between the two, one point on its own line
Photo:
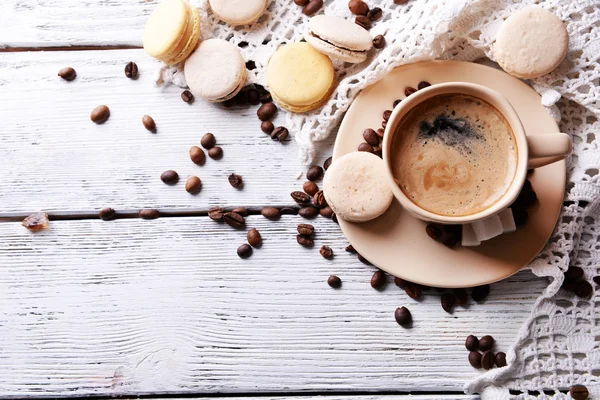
x=356 y=187
x=216 y=71
x=238 y=12
x=339 y=38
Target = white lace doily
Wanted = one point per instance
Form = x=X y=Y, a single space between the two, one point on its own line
x=559 y=345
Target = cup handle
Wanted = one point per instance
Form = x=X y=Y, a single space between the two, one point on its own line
x=548 y=149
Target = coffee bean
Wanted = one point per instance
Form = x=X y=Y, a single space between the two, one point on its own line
x=569 y=286
x=149 y=123
x=371 y=137
x=197 y=155
x=240 y=210
x=244 y=251
x=314 y=173
x=475 y=359
x=451 y=242
x=254 y=237
x=412 y=290
x=306 y=229
x=265 y=97
x=308 y=212
x=363 y=21
x=526 y=199
x=288 y=211
x=334 y=219
x=433 y=231
x=487 y=360
x=326 y=252
x=461 y=295
x=358 y=7
x=267 y=127
x=380 y=132
x=187 y=96
x=520 y=215
x=234 y=220
x=169 y=177
x=300 y=197
x=383 y=124
x=386 y=115
x=310 y=188
x=399 y=282
x=241 y=99
x=67 y=73
x=596 y=280
x=579 y=392
x=400 y=1
x=327 y=163
x=379 y=42
x=448 y=300
x=208 y=141
x=216 y=213
x=375 y=14
x=365 y=147
x=362 y=259
x=313 y=7
x=583 y=289
x=301 y=3
x=253 y=97
x=305 y=241
x=216 y=153
x=107 y=214
x=396 y=102
x=479 y=293
x=403 y=316
x=423 y=85
x=131 y=70
x=319 y=199
x=472 y=343
x=280 y=134
x=270 y=213
x=100 y=114
x=193 y=185
x=409 y=90
x=326 y=212
x=334 y=281
x=148 y=213
x=486 y=343
x=378 y=280
x=573 y=273
x=236 y=181
x=266 y=111
x=350 y=249
x=500 y=359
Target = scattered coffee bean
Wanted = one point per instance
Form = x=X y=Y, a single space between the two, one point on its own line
x=234 y=220
x=193 y=185
x=241 y=99
x=423 y=85
x=479 y=293
x=280 y=134
x=451 y=242
x=326 y=252
x=310 y=188
x=486 y=343
x=579 y=392
x=386 y=115
x=270 y=213
x=583 y=289
x=36 y=221
x=107 y=214
x=300 y=197
x=403 y=316
x=383 y=124
x=314 y=173
x=67 y=73
x=500 y=359
x=197 y=155
x=265 y=97
x=487 y=360
x=412 y=290
x=380 y=132
x=319 y=199
x=267 y=127
x=306 y=229
x=475 y=359
x=520 y=215
x=371 y=137
x=244 y=251
x=448 y=301
x=379 y=42
x=169 y=177
x=253 y=97
x=409 y=90
x=363 y=21
x=149 y=123
x=569 y=286
x=236 y=181
x=208 y=141
x=187 y=96
x=266 y=111
x=350 y=249
x=327 y=163
x=375 y=14
x=400 y=2
x=100 y=114
x=396 y=102
x=305 y=241
x=131 y=70
x=334 y=281
x=362 y=259
x=573 y=273
x=378 y=280
x=358 y=7
x=472 y=343
x=326 y=212
x=240 y=210
x=313 y=7
x=399 y=282
x=596 y=280
x=301 y=3
x=148 y=213
x=365 y=147
x=216 y=153
x=461 y=296
x=308 y=212
x=216 y=213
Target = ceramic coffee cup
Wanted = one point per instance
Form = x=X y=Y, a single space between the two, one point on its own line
x=534 y=149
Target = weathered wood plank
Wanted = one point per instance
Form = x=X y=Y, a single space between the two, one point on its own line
x=440 y=396
x=134 y=306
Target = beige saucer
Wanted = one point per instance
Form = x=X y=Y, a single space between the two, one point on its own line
x=396 y=242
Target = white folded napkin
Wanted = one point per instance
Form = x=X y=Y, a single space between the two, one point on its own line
x=496 y=225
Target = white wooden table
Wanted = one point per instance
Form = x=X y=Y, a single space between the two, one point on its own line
x=166 y=307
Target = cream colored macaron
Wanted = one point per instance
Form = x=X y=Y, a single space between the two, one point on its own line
x=356 y=187
x=216 y=70
x=531 y=43
x=300 y=78
x=238 y=12
x=339 y=38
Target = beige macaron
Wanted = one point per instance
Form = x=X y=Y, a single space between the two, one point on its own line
x=238 y=12
x=356 y=187
x=339 y=38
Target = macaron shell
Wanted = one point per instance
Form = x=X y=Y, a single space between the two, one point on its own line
x=340 y=32
x=165 y=27
x=531 y=43
x=332 y=51
x=186 y=47
x=356 y=187
x=238 y=12
x=306 y=108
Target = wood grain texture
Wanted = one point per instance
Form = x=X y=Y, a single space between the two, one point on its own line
x=134 y=306
x=354 y=397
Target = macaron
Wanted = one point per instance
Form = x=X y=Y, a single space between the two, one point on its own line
x=172 y=31
x=300 y=78
x=238 y=12
x=356 y=187
x=339 y=38
x=531 y=43
x=215 y=71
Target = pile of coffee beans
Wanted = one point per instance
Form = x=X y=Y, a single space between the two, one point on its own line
x=365 y=16
x=305 y=235
x=575 y=282
x=311 y=7
x=487 y=359
x=449 y=235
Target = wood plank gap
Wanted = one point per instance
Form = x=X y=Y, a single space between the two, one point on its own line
x=65 y=48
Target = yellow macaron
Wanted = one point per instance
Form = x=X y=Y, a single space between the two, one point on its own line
x=172 y=31
x=300 y=78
